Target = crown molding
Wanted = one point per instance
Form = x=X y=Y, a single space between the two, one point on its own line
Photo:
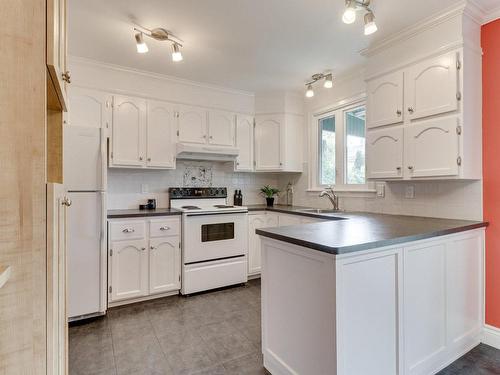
x=163 y=77
x=415 y=29
x=488 y=15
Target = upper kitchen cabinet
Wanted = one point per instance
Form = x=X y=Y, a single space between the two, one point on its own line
x=90 y=108
x=384 y=153
x=385 y=100
x=58 y=76
x=278 y=143
x=160 y=135
x=191 y=124
x=221 y=128
x=432 y=86
x=129 y=123
x=244 y=143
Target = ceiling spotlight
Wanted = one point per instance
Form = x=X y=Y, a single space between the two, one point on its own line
x=328 y=84
x=142 y=47
x=349 y=15
x=162 y=35
x=370 y=25
x=310 y=91
x=176 y=53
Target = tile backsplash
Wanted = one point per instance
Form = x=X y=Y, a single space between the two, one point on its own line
x=127 y=188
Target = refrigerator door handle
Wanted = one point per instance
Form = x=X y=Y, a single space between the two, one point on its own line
x=103 y=159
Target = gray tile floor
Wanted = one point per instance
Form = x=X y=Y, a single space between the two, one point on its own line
x=211 y=333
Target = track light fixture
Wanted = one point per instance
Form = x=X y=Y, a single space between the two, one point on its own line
x=349 y=16
x=161 y=35
x=328 y=83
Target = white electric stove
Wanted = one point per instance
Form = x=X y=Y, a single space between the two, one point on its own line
x=214 y=239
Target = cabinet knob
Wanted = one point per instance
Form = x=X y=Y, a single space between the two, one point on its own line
x=149 y=159
x=152 y=247
x=410 y=109
x=398 y=112
x=66 y=76
x=164 y=228
x=66 y=202
x=128 y=230
x=211 y=137
x=410 y=167
x=398 y=168
x=237 y=163
x=143 y=248
x=140 y=158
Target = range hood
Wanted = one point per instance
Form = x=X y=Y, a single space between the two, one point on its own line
x=206 y=152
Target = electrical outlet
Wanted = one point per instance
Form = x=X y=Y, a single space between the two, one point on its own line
x=410 y=192
x=380 y=186
x=144 y=188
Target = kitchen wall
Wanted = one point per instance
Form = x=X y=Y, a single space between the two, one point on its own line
x=125 y=186
x=490 y=42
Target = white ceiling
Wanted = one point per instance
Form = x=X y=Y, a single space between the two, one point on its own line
x=253 y=45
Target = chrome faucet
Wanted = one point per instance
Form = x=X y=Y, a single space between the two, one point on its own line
x=330 y=194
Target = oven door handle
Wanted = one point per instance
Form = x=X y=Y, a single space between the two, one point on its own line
x=217 y=213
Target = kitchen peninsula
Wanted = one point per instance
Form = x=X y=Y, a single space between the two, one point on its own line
x=371 y=294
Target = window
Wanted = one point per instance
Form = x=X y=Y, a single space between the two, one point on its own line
x=338 y=150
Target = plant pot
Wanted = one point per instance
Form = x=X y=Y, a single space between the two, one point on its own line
x=270 y=202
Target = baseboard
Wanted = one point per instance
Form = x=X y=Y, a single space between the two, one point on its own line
x=491 y=336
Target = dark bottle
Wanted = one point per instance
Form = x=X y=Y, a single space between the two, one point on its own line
x=235 y=199
x=240 y=198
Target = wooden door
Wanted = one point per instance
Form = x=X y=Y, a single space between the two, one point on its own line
x=244 y=142
x=127 y=139
x=431 y=148
x=384 y=153
x=192 y=124
x=129 y=270
x=268 y=133
x=432 y=87
x=164 y=265
x=221 y=128
x=57 y=320
x=384 y=105
x=160 y=143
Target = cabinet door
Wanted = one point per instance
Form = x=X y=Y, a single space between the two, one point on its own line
x=268 y=143
x=431 y=148
x=254 y=249
x=129 y=270
x=90 y=108
x=160 y=135
x=164 y=265
x=192 y=124
x=384 y=153
x=221 y=128
x=385 y=100
x=272 y=220
x=285 y=220
x=127 y=139
x=432 y=87
x=56 y=50
x=244 y=142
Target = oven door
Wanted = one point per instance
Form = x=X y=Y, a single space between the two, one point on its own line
x=214 y=236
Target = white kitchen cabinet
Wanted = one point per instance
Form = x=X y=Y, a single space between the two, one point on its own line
x=287 y=219
x=431 y=147
x=87 y=107
x=160 y=127
x=384 y=153
x=129 y=269
x=432 y=86
x=191 y=124
x=244 y=143
x=254 y=251
x=129 y=123
x=164 y=264
x=385 y=100
x=221 y=128
x=278 y=143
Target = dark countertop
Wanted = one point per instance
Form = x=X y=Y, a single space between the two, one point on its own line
x=362 y=231
x=294 y=210
x=122 y=214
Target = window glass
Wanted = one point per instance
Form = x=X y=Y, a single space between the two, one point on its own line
x=327 y=150
x=355 y=145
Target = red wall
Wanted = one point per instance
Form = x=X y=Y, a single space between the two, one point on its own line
x=490 y=41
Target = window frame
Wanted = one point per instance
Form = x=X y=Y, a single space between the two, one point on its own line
x=339 y=110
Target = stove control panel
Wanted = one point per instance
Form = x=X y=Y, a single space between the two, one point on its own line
x=197 y=192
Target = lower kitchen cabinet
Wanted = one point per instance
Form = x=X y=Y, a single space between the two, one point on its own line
x=142 y=261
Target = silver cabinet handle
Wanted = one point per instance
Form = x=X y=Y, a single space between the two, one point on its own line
x=164 y=228
x=152 y=247
x=128 y=230
x=410 y=109
x=66 y=202
x=66 y=76
x=398 y=112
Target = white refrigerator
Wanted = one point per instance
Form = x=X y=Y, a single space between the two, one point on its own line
x=85 y=182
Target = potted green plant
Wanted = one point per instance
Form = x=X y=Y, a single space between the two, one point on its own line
x=269 y=192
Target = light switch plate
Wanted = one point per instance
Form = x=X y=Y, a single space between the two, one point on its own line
x=380 y=186
x=410 y=192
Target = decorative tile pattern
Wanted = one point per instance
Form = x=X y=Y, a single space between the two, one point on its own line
x=197 y=176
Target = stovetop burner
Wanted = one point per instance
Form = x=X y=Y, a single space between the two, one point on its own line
x=191 y=208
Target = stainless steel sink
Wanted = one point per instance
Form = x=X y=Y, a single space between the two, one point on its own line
x=319 y=211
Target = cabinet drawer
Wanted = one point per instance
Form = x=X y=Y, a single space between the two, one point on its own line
x=127 y=230
x=164 y=227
